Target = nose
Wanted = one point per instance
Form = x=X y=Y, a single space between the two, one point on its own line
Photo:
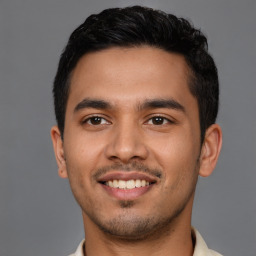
x=126 y=143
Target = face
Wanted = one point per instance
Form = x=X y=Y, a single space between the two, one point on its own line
x=131 y=147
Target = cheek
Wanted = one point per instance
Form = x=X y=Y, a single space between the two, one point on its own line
x=174 y=149
x=177 y=156
x=79 y=162
x=79 y=178
x=83 y=151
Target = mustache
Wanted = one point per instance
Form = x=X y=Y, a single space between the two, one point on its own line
x=133 y=166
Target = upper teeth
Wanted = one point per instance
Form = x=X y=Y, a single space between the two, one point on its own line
x=129 y=184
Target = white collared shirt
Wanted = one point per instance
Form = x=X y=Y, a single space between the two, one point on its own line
x=201 y=249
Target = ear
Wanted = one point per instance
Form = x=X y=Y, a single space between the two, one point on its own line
x=59 y=151
x=210 y=150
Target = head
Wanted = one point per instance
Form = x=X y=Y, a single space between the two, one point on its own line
x=136 y=97
x=140 y=26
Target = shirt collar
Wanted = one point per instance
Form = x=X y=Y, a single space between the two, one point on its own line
x=79 y=250
x=201 y=249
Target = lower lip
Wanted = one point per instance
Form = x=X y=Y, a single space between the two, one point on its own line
x=126 y=194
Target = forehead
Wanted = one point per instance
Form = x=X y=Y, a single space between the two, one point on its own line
x=126 y=75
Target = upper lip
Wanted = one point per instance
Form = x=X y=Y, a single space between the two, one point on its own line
x=131 y=175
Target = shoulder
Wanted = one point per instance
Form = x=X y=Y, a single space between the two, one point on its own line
x=201 y=248
x=79 y=250
x=213 y=253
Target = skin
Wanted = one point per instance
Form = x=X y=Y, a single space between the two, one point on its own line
x=132 y=136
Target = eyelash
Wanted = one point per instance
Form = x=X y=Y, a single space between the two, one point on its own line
x=89 y=119
x=164 y=119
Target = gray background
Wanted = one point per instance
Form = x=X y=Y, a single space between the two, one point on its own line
x=38 y=215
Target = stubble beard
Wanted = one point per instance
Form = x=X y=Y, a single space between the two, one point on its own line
x=130 y=227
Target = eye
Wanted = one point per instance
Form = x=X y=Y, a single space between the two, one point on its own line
x=95 y=120
x=158 y=120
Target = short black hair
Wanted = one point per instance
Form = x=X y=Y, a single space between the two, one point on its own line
x=138 y=26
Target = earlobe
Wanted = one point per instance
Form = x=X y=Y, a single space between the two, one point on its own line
x=59 y=151
x=210 y=150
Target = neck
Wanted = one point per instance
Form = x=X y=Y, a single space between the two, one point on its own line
x=175 y=240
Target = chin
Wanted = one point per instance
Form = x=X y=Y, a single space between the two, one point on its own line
x=131 y=227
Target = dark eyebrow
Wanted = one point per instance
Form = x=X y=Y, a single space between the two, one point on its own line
x=92 y=103
x=162 y=103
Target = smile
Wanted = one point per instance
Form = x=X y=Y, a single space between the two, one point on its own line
x=129 y=184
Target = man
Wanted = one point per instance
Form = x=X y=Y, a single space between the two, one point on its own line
x=136 y=99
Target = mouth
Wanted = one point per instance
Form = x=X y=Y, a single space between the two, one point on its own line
x=127 y=186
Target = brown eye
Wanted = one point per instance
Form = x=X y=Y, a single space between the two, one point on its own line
x=96 y=120
x=158 y=120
